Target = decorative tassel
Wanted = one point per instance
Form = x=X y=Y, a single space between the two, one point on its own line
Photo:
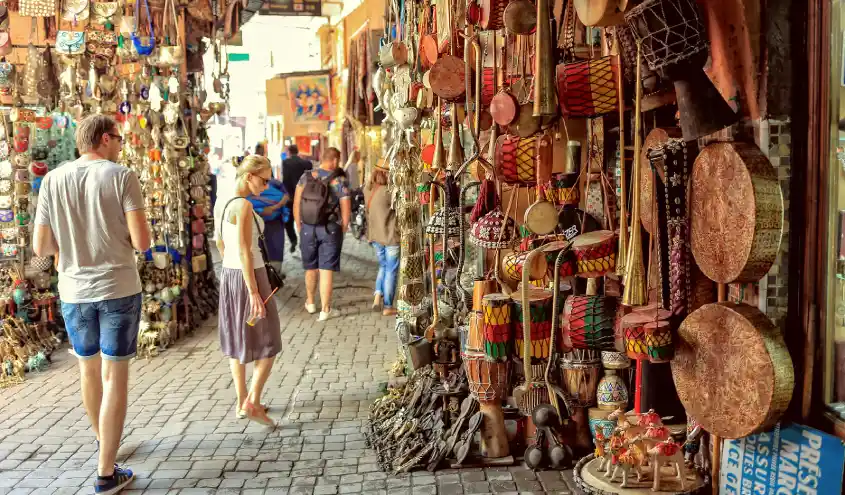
x=487 y=200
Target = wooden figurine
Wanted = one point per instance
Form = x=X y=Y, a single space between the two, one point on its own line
x=628 y=460
x=671 y=452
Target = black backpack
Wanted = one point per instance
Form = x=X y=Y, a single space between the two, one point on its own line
x=314 y=208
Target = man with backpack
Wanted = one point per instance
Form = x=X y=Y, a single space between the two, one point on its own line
x=322 y=211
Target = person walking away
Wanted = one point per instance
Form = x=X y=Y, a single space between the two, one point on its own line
x=91 y=211
x=381 y=222
x=249 y=331
x=292 y=169
x=322 y=210
x=271 y=205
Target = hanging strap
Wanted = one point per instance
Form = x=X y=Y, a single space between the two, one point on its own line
x=261 y=241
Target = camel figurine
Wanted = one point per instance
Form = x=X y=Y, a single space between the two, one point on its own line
x=671 y=452
x=600 y=452
x=629 y=459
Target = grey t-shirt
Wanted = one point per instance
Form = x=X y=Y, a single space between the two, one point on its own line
x=84 y=202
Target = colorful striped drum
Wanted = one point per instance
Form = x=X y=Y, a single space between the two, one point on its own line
x=632 y=327
x=587 y=322
x=540 y=311
x=564 y=190
x=513 y=263
x=496 y=326
x=516 y=158
x=658 y=341
x=595 y=252
x=587 y=88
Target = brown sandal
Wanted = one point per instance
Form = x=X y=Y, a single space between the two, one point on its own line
x=259 y=416
x=241 y=414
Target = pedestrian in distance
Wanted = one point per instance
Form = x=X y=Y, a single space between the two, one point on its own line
x=322 y=210
x=381 y=231
x=292 y=169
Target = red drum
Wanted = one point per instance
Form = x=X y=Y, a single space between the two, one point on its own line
x=492 y=14
x=496 y=325
x=596 y=253
x=516 y=157
x=540 y=310
x=658 y=341
x=587 y=323
x=588 y=88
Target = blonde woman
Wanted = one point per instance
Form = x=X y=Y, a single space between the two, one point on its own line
x=243 y=289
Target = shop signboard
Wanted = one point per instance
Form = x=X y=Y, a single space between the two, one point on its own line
x=787 y=460
x=292 y=7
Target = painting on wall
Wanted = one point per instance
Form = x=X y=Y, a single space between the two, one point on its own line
x=310 y=98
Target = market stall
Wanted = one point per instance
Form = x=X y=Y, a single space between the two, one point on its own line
x=140 y=62
x=586 y=229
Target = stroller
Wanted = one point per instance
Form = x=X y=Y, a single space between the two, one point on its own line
x=358 y=222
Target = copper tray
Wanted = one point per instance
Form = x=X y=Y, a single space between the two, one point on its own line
x=732 y=369
x=736 y=213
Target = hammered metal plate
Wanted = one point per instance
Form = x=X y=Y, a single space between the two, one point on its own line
x=736 y=213
x=732 y=369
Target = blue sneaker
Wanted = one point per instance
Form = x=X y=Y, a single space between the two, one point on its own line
x=114 y=484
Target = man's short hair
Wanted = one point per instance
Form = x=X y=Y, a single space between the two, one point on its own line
x=259 y=149
x=293 y=149
x=332 y=154
x=91 y=131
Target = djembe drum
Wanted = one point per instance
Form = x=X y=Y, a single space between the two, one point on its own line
x=587 y=323
x=488 y=382
x=492 y=14
x=496 y=325
x=540 y=309
x=674 y=44
x=516 y=159
x=588 y=88
x=632 y=326
x=580 y=371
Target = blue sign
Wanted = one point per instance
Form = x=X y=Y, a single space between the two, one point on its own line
x=785 y=461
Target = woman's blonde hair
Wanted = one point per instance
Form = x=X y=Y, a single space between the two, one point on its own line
x=253 y=164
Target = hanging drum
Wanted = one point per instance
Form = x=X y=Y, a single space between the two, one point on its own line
x=598 y=12
x=596 y=253
x=492 y=14
x=513 y=263
x=516 y=158
x=732 y=369
x=540 y=310
x=564 y=190
x=447 y=78
x=587 y=323
x=496 y=325
x=674 y=43
x=587 y=89
x=736 y=212
x=520 y=17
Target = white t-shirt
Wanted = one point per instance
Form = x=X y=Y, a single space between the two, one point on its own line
x=85 y=204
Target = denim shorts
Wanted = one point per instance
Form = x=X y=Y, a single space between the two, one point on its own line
x=320 y=246
x=109 y=327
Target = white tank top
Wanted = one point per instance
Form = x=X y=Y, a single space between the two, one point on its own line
x=231 y=244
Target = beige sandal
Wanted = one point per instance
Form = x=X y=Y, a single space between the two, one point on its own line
x=253 y=414
x=241 y=414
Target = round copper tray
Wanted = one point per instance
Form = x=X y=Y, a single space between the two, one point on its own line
x=736 y=213
x=732 y=369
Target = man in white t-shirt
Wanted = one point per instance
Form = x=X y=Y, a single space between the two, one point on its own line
x=91 y=216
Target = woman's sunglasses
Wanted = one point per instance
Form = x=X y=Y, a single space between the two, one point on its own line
x=264 y=181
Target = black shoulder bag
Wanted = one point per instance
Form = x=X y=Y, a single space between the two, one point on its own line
x=276 y=281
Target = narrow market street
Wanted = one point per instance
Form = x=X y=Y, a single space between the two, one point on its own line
x=181 y=434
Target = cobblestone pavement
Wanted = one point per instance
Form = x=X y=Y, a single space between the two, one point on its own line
x=181 y=434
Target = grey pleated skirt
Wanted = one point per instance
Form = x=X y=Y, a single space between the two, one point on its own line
x=237 y=339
